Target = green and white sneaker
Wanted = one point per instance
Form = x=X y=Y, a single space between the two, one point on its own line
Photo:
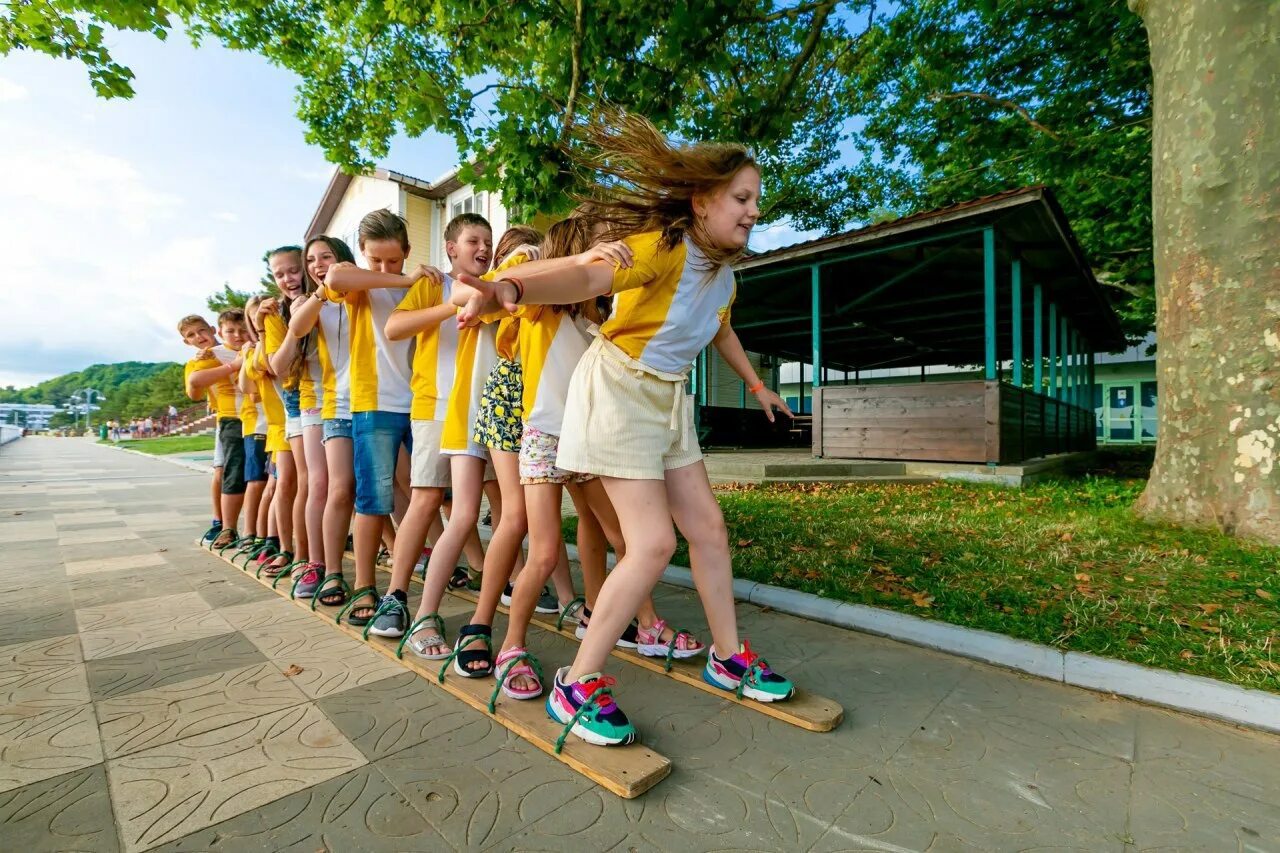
x=599 y=720
x=747 y=674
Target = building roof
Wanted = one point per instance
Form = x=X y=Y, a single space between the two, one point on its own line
x=340 y=181
x=910 y=291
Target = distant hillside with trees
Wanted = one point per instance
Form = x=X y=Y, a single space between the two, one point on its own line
x=133 y=389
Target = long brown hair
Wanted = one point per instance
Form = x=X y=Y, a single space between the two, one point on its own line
x=637 y=180
x=513 y=238
x=572 y=236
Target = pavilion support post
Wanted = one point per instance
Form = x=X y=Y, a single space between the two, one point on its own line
x=989 y=299
x=1053 y=351
x=815 y=276
x=1037 y=345
x=1066 y=371
x=1016 y=309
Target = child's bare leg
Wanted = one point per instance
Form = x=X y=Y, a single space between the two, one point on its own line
x=467 y=474
x=645 y=519
x=298 y=505
x=542 y=504
x=591 y=545
x=231 y=506
x=252 y=504
x=508 y=534
x=286 y=491
x=317 y=491
x=561 y=577
x=367 y=532
x=339 y=502
x=424 y=506
x=216 y=493
x=695 y=511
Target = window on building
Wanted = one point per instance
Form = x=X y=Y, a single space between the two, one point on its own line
x=1148 y=410
x=470 y=204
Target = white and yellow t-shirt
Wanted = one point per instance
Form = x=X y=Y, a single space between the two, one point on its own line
x=221 y=395
x=508 y=338
x=476 y=353
x=253 y=417
x=551 y=344
x=333 y=353
x=275 y=330
x=667 y=306
x=381 y=368
x=435 y=351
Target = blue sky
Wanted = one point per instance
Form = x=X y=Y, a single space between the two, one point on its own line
x=121 y=216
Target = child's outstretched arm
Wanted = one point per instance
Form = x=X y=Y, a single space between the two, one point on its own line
x=199 y=380
x=404 y=324
x=306 y=313
x=618 y=255
x=730 y=348
x=556 y=287
x=346 y=277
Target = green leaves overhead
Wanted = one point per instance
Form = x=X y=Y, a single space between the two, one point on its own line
x=857 y=110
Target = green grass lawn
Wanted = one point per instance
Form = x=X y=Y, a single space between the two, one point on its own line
x=168 y=444
x=1064 y=563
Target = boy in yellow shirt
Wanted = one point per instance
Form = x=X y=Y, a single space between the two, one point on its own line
x=381 y=396
x=212 y=374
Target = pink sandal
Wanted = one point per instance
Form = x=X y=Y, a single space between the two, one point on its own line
x=649 y=643
x=516 y=661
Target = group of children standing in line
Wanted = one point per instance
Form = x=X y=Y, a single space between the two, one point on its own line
x=544 y=363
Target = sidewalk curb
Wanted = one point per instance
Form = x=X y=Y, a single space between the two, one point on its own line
x=181 y=463
x=1192 y=694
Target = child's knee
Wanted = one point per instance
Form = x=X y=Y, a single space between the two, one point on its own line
x=656 y=549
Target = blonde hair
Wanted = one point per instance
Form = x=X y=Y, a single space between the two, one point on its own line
x=251 y=315
x=191 y=320
x=637 y=180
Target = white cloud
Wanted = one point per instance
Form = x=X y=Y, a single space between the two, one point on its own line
x=779 y=234
x=315 y=176
x=11 y=91
x=226 y=216
x=98 y=260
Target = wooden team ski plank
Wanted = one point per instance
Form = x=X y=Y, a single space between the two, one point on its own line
x=627 y=771
x=805 y=710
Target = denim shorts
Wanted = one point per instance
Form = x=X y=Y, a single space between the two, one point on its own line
x=255 y=458
x=290 y=399
x=337 y=428
x=376 y=441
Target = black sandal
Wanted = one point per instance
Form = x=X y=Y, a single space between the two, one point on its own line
x=463 y=657
x=332 y=596
x=370 y=592
x=272 y=570
x=460 y=578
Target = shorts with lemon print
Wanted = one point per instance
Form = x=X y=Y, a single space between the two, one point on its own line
x=501 y=419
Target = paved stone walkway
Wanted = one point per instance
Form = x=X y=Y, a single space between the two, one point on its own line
x=144 y=704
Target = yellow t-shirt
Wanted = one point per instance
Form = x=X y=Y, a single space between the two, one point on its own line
x=508 y=338
x=669 y=304
x=253 y=418
x=434 y=351
x=551 y=344
x=381 y=368
x=477 y=351
x=269 y=403
x=223 y=396
x=275 y=330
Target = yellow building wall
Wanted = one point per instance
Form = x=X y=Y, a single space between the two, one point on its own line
x=418 y=215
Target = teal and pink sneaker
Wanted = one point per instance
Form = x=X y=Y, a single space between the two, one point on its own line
x=747 y=674
x=596 y=720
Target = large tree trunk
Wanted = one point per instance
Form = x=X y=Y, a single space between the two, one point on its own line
x=1216 y=184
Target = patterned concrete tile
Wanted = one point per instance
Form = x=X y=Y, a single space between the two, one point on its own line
x=80 y=503
x=230 y=591
x=332 y=668
x=47 y=745
x=948 y=793
x=94 y=551
x=148 y=718
x=50 y=653
x=124 y=562
x=1173 y=813
x=182 y=661
x=394 y=714
x=95 y=536
x=112 y=587
x=478 y=783
x=28 y=531
x=124 y=627
x=87 y=516
x=1038 y=716
x=1220 y=756
x=67 y=812
x=359 y=810
x=37 y=621
x=267 y=613
x=168 y=791
x=28 y=693
x=166 y=520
